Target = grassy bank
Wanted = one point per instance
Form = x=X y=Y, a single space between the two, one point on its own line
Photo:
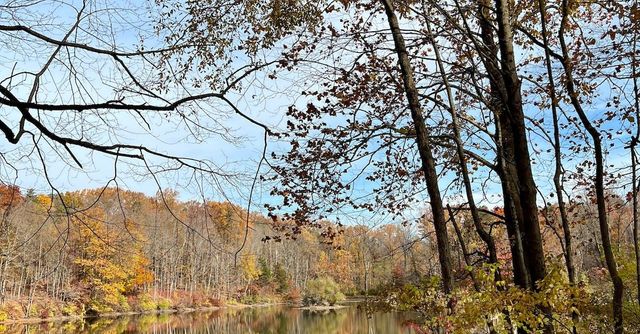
x=44 y=309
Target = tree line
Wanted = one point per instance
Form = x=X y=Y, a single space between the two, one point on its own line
x=111 y=250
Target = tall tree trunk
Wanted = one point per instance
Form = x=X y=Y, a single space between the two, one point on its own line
x=634 y=157
x=424 y=148
x=519 y=189
x=558 y=170
x=634 y=194
x=464 y=170
x=599 y=180
x=557 y=181
x=504 y=145
x=532 y=239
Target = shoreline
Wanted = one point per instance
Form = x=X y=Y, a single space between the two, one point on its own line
x=321 y=307
x=132 y=313
x=170 y=311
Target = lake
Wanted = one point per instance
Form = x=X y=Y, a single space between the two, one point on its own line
x=268 y=320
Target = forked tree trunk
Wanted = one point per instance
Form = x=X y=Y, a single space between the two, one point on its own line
x=532 y=239
x=504 y=145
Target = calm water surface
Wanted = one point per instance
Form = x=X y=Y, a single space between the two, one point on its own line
x=271 y=320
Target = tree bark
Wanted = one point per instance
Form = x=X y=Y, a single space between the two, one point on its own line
x=557 y=181
x=532 y=239
x=612 y=267
x=634 y=157
x=504 y=147
x=424 y=148
x=464 y=170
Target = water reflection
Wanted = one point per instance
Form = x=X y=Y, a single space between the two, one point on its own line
x=263 y=320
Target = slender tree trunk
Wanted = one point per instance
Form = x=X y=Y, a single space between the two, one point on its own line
x=634 y=193
x=464 y=170
x=599 y=179
x=424 y=148
x=634 y=157
x=557 y=181
x=514 y=161
x=504 y=146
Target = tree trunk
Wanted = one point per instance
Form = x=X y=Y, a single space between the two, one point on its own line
x=599 y=180
x=557 y=181
x=634 y=157
x=424 y=148
x=464 y=170
x=504 y=147
x=532 y=239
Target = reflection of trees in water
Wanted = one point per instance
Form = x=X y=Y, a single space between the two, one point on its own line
x=263 y=320
x=323 y=322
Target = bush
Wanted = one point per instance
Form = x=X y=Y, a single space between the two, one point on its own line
x=164 y=304
x=216 y=302
x=123 y=304
x=96 y=307
x=71 y=309
x=294 y=296
x=13 y=309
x=323 y=291
x=146 y=303
x=199 y=300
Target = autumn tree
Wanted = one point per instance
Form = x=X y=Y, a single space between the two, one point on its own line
x=97 y=266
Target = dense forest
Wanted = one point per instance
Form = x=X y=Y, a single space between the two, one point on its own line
x=473 y=161
x=111 y=250
x=131 y=252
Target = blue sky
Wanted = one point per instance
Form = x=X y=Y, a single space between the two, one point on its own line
x=239 y=151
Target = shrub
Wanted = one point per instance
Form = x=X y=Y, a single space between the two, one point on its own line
x=323 y=291
x=164 y=304
x=294 y=296
x=146 y=303
x=199 y=300
x=13 y=309
x=71 y=309
x=467 y=310
x=123 y=304
x=96 y=307
x=216 y=302
x=231 y=302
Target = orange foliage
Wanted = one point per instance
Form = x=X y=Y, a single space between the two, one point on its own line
x=10 y=195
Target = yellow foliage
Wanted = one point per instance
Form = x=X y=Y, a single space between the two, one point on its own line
x=473 y=308
x=107 y=270
x=339 y=267
x=43 y=201
x=140 y=272
x=249 y=267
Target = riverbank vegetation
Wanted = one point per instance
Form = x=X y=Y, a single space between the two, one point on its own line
x=133 y=253
x=117 y=257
